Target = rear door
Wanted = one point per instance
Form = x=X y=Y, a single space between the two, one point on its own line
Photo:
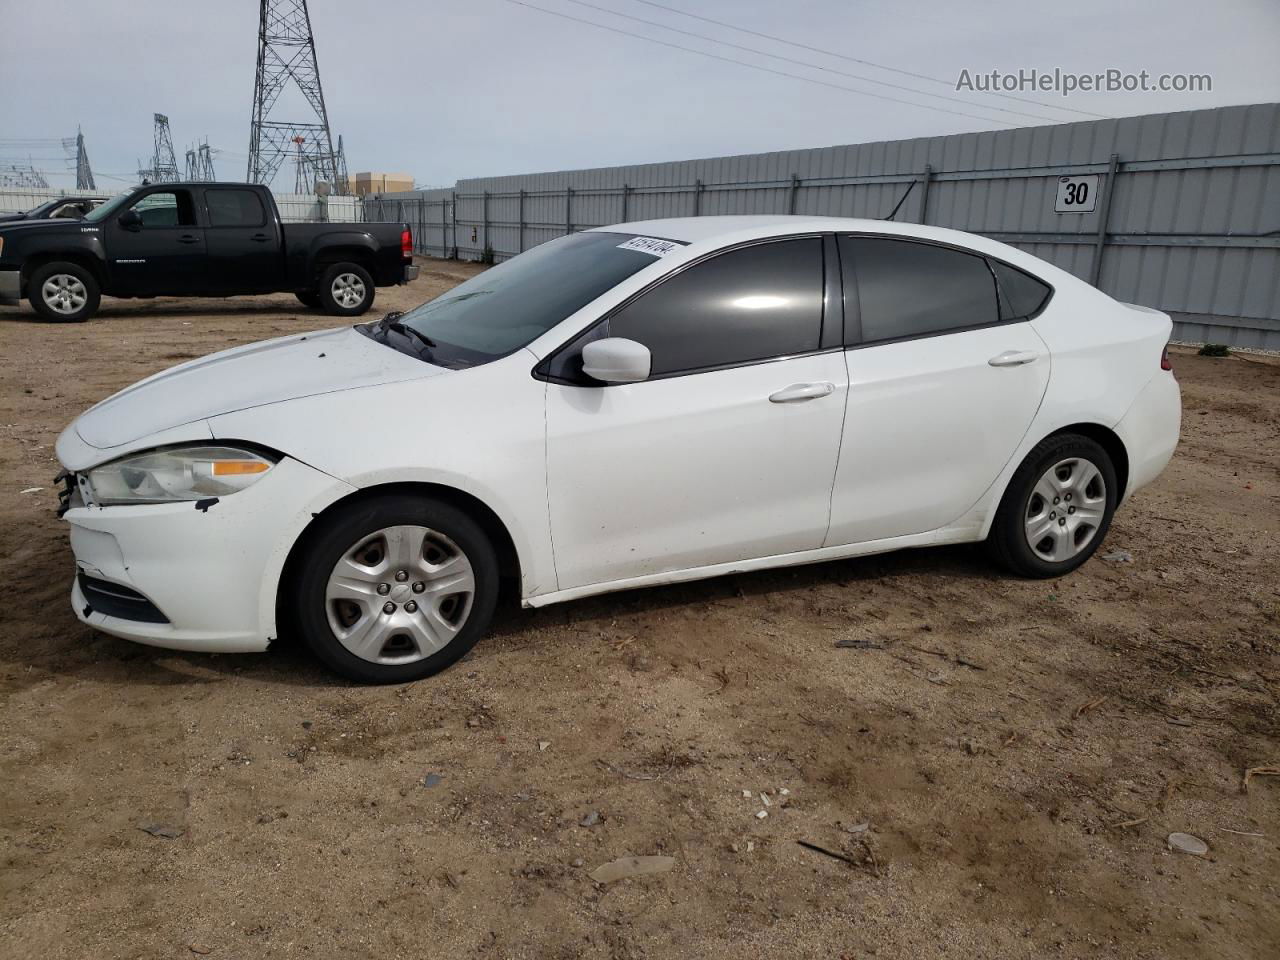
x=243 y=242
x=944 y=380
x=166 y=254
x=728 y=451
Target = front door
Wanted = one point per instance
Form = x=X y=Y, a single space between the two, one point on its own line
x=728 y=451
x=943 y=383
x=165 y=253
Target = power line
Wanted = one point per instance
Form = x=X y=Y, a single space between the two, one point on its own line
x=866 y=63
x=815 y=66
x=755 y=66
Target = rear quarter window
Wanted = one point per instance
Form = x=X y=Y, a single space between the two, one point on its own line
x=1021 y=295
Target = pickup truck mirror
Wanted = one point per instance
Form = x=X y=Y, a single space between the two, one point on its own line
x=131 y=220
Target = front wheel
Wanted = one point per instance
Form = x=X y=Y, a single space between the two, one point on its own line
x=395 y=589
x=63 y=292
x=1057 y=508
x=346 y=289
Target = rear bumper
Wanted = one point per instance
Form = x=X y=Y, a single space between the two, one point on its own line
x=1150 y=430
x=11 y=286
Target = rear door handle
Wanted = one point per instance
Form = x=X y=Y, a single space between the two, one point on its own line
x=188 y=238
x=259 y=238
x=1013 y=358
x=802 y=391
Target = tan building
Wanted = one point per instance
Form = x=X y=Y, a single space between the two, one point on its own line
x=365 y=183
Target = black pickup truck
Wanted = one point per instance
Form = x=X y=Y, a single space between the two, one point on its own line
x=198 y=240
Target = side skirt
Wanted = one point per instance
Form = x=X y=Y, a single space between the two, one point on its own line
x=933 y=538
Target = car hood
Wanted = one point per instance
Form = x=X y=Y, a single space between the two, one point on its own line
x=244 y=377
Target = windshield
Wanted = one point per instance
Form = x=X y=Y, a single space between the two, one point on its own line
x=98 y=214
x=499 y=311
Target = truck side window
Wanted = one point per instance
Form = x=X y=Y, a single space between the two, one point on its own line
x=234 y=208
x=167 y=208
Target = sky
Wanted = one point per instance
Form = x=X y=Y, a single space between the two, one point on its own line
x=448 y=89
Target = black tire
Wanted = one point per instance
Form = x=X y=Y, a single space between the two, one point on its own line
x=78 y=281
x=328 y=300
x=1009 y=540
x=348 y=529
x=308 y=298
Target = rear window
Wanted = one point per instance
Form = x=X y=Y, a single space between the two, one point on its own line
x=234 y=208
x=908 y=289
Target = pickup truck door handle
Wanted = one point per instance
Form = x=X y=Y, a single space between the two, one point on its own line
x=1013 y=358
x=188 y=238
x=259 y=238
x=798 y=392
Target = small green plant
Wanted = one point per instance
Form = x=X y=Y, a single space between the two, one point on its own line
x=1215 y=350
x=487 y=255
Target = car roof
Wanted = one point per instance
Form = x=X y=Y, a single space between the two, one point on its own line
x=713 y=232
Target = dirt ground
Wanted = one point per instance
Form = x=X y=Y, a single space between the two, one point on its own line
x=1000 y=763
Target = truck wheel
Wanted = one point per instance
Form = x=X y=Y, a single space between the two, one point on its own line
x=308 y=298
x=63 y=292
x=346 y=289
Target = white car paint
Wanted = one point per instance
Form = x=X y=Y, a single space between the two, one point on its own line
x=629 y=485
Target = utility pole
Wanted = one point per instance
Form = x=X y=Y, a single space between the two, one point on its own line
x=287 y=55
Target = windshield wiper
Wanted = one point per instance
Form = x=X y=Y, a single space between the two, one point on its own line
x=392 y=321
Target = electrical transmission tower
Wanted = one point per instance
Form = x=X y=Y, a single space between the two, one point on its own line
x=200 y=163
x=287 y=54
x=164 y=164
x=84 y=175
x=22 y=175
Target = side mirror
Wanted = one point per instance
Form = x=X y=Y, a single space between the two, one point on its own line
x=617 y=360
x=131 y=220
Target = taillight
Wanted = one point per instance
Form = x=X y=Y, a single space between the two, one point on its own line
x=406 y=243
x=1165 y=362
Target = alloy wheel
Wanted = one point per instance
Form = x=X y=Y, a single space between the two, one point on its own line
x=64 y=293
x=348 y=290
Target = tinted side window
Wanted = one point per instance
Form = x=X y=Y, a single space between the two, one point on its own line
x=908 y=289
x=754 y=303
x=167 y=209
x=235 y=208
x=1021 y=294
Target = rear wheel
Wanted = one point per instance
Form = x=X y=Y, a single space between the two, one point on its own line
x=308 y=298
x=395 y=589
x=1057 y=509
x=63 y=292
x=346 y=289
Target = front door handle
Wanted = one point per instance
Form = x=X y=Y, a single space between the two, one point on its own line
x=188 y=238
x=1013 y=358
x=802 y=391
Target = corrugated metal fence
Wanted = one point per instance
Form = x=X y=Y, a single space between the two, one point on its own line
x=1186 y=219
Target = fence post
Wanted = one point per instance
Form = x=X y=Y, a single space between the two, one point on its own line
x=925 y=178
x=791 y=194
x=520 y=241
x=626 y=205
x=1100 y=242
x=453 y=214
x=697 y=198
x=568 y=210
x=485 y=213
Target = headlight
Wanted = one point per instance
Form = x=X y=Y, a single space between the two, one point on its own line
x=182 y=473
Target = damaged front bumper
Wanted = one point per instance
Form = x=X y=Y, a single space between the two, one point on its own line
x=193 y=575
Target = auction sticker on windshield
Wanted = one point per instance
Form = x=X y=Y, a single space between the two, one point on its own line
x=651 y=245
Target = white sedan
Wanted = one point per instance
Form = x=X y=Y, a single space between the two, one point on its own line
x=633 y=405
